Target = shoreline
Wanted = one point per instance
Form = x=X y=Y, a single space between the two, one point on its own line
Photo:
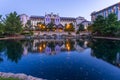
x=16 y=37
x=20 y=76
x=109 y=38
x=95 y=37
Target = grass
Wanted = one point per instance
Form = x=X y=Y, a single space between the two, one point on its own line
x=8 y=78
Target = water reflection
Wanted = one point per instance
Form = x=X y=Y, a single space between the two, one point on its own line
x=56 y=59
x=14 y=49
x=53 y=47
x=106 y=50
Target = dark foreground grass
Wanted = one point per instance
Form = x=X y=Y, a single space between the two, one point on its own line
x=8 y=78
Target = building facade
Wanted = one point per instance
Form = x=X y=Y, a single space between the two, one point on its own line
x=105 y=12
x=24 y=18
x=55 y=19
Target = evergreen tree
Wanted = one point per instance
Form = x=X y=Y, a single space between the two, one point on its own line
x=13 y=24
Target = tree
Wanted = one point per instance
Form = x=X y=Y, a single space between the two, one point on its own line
x=13 y=24
x=1 y=26
x=90 y=28
x=99 y=25
x=118 y=30
x=108 y=26
x=81 y=27
x=41 y=26
x=111 y=24
x=28 y=25
x=50 y=26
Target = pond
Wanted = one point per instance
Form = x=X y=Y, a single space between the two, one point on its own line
x=62 y=59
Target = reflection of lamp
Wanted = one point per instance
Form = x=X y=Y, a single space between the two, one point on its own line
x=40 y=48
x=68 y=46
x=44 y=45
x=86 y=42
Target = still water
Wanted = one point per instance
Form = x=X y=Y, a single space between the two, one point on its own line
x=62 y=59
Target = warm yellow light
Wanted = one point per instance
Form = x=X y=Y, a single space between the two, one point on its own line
x=67 y=45
x=68 y=48
x=40 y=48
x=68 y=26
x=60 y=30
x=43 y=27
x=44 y=45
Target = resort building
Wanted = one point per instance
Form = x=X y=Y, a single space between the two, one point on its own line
x=105 y=12
x=24 y=18
x=59 y=22
x=52 y=18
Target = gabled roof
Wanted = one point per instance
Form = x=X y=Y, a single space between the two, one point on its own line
x=67 y=18
x=37 y=17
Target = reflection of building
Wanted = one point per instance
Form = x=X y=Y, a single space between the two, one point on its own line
x=53 y=47
x=55 y=19
x=105 y=12
x=118 y=59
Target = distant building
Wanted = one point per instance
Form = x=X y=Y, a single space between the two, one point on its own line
x=24 y=18
x=105 y=12
x=86 y=24
x=55 y=19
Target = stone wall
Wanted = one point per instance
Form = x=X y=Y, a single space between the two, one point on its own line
x=19 y=76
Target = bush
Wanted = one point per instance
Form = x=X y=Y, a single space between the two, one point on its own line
x=30 y=33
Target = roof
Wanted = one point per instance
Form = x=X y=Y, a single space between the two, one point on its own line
x=37 y=17
x=105 y=8
x=62 y=18
x=67 y=18
x=85 y=21
x=23 y=15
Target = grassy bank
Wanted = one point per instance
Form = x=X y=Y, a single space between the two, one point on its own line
x=8 y=78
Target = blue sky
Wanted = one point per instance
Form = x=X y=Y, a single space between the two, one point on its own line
x=69 y=8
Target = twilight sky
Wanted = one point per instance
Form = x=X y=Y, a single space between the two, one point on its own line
x=69 y=8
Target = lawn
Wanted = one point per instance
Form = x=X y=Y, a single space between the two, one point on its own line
x=9 y=78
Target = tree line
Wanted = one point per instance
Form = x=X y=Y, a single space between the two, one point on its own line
x=109 y=26
x=10 y=24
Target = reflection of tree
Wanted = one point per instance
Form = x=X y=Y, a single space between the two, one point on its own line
x=105 y=49
x=14 y=50
x=51 y=45
x=80 y=42
x=1 y=59
x=2 y=48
